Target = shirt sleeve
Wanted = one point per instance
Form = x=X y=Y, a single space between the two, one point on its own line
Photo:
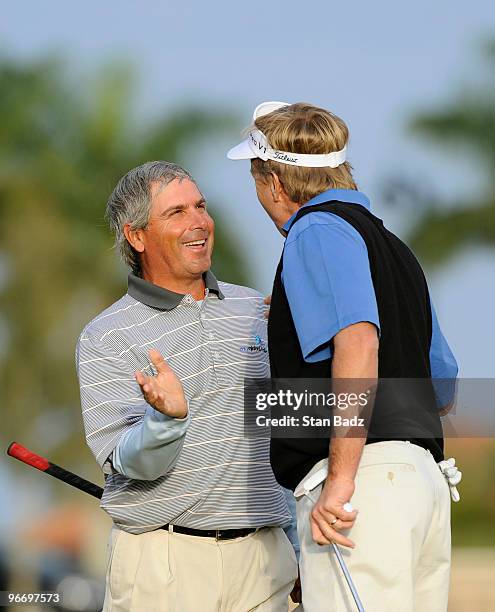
x=150 y=450
x=114 y=411
x=327 y=280
x=443 y=364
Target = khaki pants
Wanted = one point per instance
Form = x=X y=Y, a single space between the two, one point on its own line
x=401 y=562
x=160 y=571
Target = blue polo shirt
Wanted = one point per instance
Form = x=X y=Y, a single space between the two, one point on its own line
x=327 y=280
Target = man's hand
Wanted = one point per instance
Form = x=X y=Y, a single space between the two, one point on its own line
x=267 y=301
x=334 y=495
x=164 y=391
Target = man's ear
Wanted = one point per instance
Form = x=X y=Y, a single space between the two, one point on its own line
x=134 y=237
x=277 y=188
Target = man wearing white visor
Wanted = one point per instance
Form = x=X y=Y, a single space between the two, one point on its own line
x=350 y=301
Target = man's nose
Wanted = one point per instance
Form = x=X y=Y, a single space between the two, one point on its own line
x=199 y=220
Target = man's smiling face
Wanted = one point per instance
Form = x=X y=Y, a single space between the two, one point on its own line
x=178 y=240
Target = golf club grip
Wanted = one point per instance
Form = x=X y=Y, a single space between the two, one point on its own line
x=23 y=454
x=20 y=452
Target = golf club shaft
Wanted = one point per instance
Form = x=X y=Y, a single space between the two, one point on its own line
x=348 y=578
x=40 y=463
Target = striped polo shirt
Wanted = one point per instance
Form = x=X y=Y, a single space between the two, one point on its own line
x=221 y=479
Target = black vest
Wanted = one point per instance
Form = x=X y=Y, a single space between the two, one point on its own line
x=405 y=325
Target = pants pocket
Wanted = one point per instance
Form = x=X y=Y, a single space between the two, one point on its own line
x=122 y=571
x=111 y=545
x=278 y=560
x=399 y=465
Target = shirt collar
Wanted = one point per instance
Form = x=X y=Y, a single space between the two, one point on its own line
x=348 y=196
x=159 y=297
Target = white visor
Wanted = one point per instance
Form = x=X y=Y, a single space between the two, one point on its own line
x=256 y=145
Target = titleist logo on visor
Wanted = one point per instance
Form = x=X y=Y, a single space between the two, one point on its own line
x=267 y=152
x=285 y=157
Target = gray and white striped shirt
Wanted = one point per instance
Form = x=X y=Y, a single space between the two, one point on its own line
x=220 y=479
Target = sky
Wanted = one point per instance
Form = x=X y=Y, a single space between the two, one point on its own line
x=374 y=64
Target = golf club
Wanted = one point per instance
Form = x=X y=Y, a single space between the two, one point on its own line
x=21 y=453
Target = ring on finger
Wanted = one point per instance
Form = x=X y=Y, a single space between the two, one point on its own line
x=334 y=521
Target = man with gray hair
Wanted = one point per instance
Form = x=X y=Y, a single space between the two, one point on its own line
x=197 y=512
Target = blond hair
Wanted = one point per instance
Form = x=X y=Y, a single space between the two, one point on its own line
x=304 y=128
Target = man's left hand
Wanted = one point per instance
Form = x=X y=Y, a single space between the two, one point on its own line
x=330 y=506
x=164 y=391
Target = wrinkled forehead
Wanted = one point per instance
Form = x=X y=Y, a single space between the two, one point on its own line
x=181 y=192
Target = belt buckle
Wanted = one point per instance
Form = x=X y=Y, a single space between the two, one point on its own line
x=218 y=533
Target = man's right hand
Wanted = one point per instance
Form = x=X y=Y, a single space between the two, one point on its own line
x=329 y=516
x=164 y=391
x=267 y=301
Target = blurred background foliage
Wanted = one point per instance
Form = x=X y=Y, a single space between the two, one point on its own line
x=464 y=126
x=63 y=146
